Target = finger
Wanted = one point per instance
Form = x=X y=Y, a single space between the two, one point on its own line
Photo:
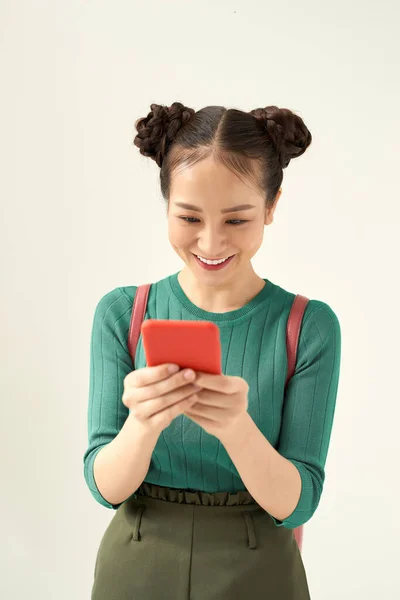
x=211 y=398
x=164 y=417
x=149 y=375
x=206 y=415
x=188 y=392
x=145 y=410
x=219 y=383
x=161 y=388
x=154 y=391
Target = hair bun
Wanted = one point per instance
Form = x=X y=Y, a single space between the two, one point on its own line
x=156 y=131
x=287 y=130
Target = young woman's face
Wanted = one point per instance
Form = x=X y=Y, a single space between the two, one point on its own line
x=214 y=215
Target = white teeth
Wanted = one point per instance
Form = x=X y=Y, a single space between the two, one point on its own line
x=212 y=262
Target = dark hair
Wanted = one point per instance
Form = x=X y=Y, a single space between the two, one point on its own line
x=257 y=145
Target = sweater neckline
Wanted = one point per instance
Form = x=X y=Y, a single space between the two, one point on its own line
x=216 y=317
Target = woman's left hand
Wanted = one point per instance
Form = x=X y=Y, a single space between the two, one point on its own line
x=222 y=402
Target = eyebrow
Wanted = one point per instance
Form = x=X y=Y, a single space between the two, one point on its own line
x=224 y=210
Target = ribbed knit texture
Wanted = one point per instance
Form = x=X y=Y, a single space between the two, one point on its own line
x=297 y=423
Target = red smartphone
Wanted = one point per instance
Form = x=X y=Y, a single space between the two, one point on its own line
x=190 y=344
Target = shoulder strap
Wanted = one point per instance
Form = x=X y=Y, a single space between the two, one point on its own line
x=292 y=340
x=138 y=312
x=293 y=332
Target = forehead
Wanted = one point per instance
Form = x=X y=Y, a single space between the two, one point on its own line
x=211 y=183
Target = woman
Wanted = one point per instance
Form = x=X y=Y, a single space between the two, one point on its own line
x=210 y=474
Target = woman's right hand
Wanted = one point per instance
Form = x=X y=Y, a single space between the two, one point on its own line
x=155 y=396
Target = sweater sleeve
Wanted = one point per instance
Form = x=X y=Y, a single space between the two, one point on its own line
x=110 y=362
x=309 y=407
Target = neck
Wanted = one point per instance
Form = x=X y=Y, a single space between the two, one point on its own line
x=221 y=298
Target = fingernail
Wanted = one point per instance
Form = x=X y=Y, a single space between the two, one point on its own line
x=173 y=368
x=188 y=374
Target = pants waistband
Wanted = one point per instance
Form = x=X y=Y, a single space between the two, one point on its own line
x=184 y=496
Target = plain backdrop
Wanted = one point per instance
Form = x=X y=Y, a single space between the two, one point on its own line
x=82 y=213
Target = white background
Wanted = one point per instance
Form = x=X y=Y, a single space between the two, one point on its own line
x=81 y=213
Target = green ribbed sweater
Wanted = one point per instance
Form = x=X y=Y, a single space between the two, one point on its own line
x=297 y=423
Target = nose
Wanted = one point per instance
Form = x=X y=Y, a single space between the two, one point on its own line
x=212 y=242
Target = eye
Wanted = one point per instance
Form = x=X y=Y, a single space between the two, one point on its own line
x=195 y=220
x=189 y=219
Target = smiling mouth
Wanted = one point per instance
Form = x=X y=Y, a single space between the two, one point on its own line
x=213 y=264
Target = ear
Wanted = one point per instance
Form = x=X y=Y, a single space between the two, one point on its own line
x=269 y=212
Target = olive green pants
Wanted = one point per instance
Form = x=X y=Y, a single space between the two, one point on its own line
x=171 y=544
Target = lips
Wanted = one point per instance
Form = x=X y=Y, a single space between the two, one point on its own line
x=217 y=267
x=213 y=260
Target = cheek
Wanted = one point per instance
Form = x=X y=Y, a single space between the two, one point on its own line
x=251 y=238
x=179 y=236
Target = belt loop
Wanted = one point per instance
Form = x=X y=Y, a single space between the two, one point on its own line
x=251 y=533
x=136 y=531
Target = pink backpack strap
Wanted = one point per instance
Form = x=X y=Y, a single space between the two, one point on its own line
x=292 y=340
x=293 y=332
x=138 y=312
